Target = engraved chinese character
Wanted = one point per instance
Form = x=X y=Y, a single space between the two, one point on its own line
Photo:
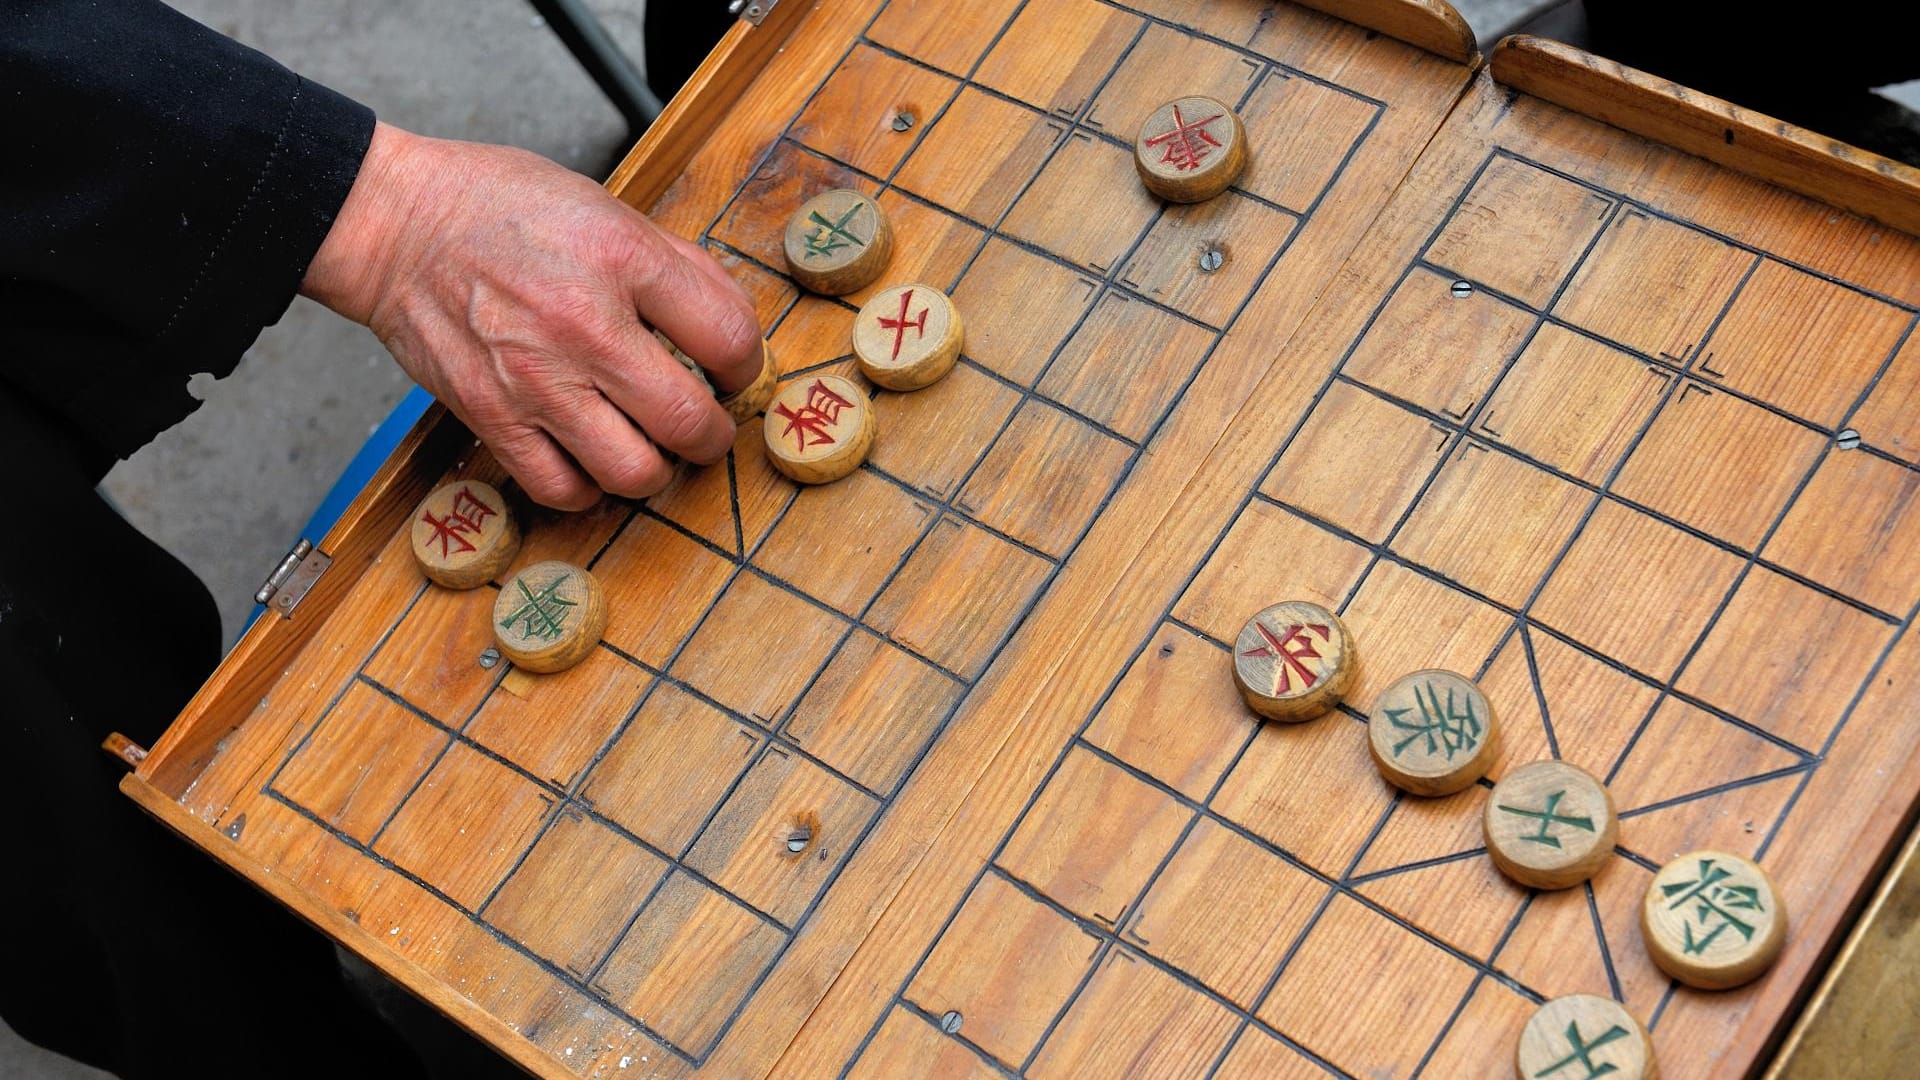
x=465 y=518
x=1548 y=818
x=542 y=615
x=1289 y=649
x=1446 y=729
x=809 y=423
x=1713 y=903
x=900 y=325
x=828 y=237
x=1186 y=145
x=1581 y=1054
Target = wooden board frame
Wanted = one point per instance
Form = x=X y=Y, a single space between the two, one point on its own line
x=1741 y=141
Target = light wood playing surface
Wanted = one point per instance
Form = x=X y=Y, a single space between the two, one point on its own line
x=1516 y=394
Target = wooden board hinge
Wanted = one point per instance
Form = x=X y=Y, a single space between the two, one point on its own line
x=754 y=11
x=288 y=584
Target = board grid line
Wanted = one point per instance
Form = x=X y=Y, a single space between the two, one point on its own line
x=1112 y=273
x=1521 y=623
x=1807 y=757
x=1461 y=426
x=771 y=729
x=1060 y=758
x=1376 y=556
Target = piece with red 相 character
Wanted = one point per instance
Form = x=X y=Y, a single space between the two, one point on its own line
x=819 y=428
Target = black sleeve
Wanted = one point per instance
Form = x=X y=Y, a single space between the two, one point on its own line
x=162 y=190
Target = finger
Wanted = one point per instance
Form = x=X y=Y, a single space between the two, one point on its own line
x=548 y=476
x=611 y=449
x=703 y=261
x=670 y=403
x=678 y=289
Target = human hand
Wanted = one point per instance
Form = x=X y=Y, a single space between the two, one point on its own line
x=523 y=295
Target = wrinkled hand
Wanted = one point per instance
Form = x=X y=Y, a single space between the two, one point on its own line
x=523 y=296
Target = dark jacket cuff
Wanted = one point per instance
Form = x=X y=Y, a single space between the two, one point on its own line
x=254 y=266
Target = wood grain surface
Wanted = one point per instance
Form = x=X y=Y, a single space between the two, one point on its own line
x=941 y=769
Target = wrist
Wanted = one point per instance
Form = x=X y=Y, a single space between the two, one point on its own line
x=349 y=270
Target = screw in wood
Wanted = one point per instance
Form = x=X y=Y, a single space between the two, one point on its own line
x=902 y=120
x=798 y=840
x=1461 y=290
x=950 y=1023
x=489 y=657
x=1211 y=260
x=1847 y=440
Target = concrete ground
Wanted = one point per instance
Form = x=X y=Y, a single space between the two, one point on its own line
x=230 y=489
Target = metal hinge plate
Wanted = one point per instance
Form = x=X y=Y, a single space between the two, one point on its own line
x=754 y=11
x=290 y=581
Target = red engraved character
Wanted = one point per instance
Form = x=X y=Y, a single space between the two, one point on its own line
x=899 y=326
x=1186 y=145
x=468 y=513
x=1290 y=649
x=808 y=424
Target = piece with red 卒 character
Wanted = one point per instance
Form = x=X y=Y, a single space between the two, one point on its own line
x=819 y=428
x=1293 y=661
x=1190 y=149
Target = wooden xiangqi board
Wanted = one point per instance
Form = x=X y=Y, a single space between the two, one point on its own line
x=940 y=770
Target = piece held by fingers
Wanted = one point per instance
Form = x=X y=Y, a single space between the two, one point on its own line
x=1190 y=149
x=686 y=361
x=819 y=429
x=1293 y=661
x=1584 y=1035
x=838 y=242
x=1550 y=825
x=549 y=616
x=743 y=404
x=1713 y=920
x=1433 y=733
x=464 y=535
x=907 y=337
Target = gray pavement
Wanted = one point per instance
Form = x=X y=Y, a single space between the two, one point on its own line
x=229 y=489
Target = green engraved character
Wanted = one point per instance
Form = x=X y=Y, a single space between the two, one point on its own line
x=1582 y=1054
x=1714 y=903
x=542 y=615
x=1548 y=818
x=1447 y=729
x=828 y=237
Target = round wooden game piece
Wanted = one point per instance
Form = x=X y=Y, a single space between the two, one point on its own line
x=1293 y=661
x=464 y=535
x=549 y=616
x=838 y=242
x=1713 y=920
x=1582 y=1035
x=819 y=428
x=1550 y=825
x=1190 y=149
x=907 y=337
x=1433 y=733
x=742 y=404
